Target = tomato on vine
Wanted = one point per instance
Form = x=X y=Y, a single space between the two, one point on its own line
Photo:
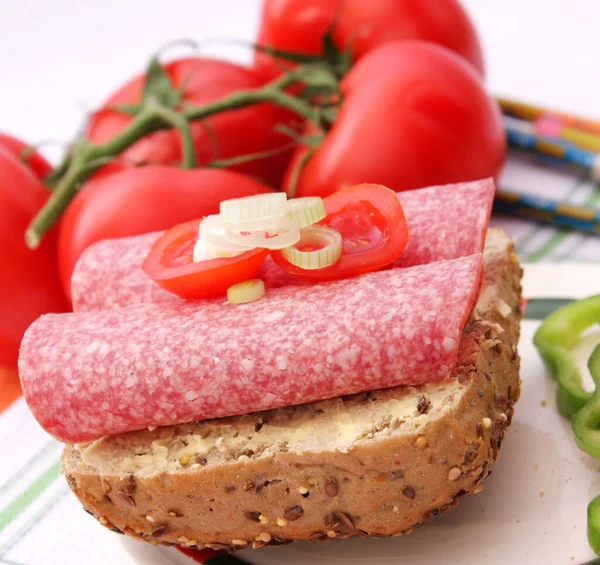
x=430 y=122
x=361 y=26
x=29 y=285
x=198 y=81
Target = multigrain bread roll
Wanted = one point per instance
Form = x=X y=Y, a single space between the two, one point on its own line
x=372 y=464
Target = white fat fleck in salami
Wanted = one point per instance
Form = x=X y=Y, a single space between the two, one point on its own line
x=90 y=374
x=445 y=222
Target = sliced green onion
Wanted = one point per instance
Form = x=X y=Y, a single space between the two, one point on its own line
x=205 y=251
x=247 y=291
x=287 y=235
x=326 y=245
x=212 y=232
x=270 y=213
x=253 y=208
x=270 y=224
x=306 y=211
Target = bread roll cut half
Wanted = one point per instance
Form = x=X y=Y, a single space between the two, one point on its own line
x=372 y=464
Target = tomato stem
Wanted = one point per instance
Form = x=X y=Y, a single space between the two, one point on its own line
x=65 y=190
x=249 y=157
x=84 y=157
x=295 y=175
x=272 y=92
x=183 y=127
x=57 y=173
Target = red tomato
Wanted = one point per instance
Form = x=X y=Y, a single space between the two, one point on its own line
x=36 y=162
x=373 y=227
x=29 y=284
x=142 y=200
x=170 y=264
x=228 y=134
x=299 y=25
x=429 y=122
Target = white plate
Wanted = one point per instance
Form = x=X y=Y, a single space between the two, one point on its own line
x=564 y=280
x=532 y=510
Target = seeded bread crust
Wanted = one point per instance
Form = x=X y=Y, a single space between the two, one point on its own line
x=399 y=473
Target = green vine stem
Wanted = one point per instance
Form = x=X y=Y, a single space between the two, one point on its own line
x=249 y=157
x=295 y=175
x=183 y=127
x=85 y=158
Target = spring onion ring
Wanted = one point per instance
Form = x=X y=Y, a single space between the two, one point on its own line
x=325 y=244
x=306 y=211
x=212 y=232
x=205 y=251
x=287 y=234
x=253 y=208
x=269 y=221
x=247 y=291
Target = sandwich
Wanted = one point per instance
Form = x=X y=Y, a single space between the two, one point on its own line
x=358 y=406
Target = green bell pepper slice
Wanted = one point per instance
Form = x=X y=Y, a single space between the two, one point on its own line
x=555 y=339
x=593 y=525
x=586 y=422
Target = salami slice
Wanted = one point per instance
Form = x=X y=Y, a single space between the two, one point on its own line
x=109 y=275
x=445 y=222
x=90 y=374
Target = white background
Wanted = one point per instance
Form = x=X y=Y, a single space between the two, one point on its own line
x=61 y=58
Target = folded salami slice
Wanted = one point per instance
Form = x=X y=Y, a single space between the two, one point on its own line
x=445 y=222
x=109 y=275
x=90 y=374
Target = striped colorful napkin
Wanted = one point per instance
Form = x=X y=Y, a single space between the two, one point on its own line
x=542 y=242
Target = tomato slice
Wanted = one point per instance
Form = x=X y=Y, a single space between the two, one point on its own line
x=170 y=265
x=373 y=227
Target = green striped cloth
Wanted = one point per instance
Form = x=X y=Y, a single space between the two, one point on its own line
x=41 y=523
x=543 y=243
